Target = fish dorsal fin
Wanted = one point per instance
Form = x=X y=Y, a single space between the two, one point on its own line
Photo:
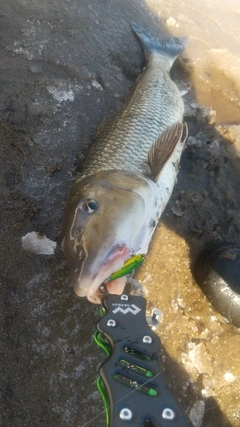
x=164 y=146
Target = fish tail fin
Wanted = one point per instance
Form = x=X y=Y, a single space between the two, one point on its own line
x=170 y=48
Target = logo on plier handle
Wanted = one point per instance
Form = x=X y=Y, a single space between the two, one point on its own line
x=130 y=309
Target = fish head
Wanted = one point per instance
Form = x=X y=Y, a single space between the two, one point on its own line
x=104 y=215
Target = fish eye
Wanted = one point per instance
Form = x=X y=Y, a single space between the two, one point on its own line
x=89 y=205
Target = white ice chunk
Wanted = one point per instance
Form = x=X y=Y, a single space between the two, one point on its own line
x=196 y=413
x=61 y=91
x=37 y=244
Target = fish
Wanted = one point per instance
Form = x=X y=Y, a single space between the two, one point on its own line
x=114 y=205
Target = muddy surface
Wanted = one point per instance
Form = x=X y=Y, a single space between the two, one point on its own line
x=64 y=66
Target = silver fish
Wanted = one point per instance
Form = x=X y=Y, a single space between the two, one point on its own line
x=115 y=204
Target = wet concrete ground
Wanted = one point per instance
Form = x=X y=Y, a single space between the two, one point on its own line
x=65 y=65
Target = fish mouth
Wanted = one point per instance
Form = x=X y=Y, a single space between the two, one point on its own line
x=89 y=283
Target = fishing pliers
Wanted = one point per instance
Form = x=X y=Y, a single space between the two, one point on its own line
x=130 y=380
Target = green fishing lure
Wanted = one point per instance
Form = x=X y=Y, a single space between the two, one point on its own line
x=128 y=267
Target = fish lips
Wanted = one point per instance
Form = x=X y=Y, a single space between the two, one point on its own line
x=87 y=279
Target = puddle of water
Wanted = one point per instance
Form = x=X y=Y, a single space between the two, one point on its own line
x=216 y=83
x=226 y=111
x=213 y=29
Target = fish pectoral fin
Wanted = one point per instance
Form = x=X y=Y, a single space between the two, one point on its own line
x=163 y=147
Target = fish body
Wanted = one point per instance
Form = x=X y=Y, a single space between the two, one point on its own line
x=114 y=205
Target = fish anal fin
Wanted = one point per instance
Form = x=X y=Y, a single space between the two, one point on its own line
x=163 y=147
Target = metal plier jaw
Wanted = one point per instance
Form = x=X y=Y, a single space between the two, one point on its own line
x=130 y=381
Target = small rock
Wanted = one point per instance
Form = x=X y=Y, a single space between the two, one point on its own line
x=183 y=87
x=171 y=22
x=35 y=68
x=209 y=385
x=214 y=147
x=96 y=85
x=177 y=211
x=200 y=359
x=192 y=141
x=200 y=112
x=205 y=335
x=197 y=360
x=17 y=226
x=229 y=377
